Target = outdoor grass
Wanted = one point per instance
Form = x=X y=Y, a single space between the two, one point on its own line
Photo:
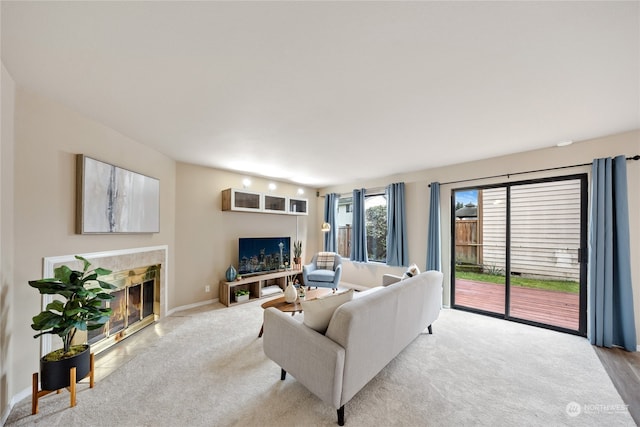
x=551 y=285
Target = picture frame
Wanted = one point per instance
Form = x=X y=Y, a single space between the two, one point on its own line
x=114 y=200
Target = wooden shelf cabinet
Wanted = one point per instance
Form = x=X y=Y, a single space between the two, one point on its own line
x=255 y=285
x=240 y=200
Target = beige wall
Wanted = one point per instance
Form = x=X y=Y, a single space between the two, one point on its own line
x=417 y=195
x=6 y=236
x=47 y=138
x=207 y=237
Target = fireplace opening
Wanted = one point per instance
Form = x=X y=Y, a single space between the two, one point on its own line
x=136 y=304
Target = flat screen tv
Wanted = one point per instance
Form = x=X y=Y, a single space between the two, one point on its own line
x=262 y=254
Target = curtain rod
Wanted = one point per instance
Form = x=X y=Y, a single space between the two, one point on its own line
x=636 y=157
x=369 y=191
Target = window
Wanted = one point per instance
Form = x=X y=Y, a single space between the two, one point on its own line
x=376 y=224
x=375 y=207
x=344 y=221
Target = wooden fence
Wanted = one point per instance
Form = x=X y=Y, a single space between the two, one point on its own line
x=344 y=241
x=468 y=248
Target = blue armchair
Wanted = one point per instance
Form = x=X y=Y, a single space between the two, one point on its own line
x=324 y=271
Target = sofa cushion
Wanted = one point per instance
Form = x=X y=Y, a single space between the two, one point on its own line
x=325 y=260
x=321 y=275
x=412 y=270
x=318 y=312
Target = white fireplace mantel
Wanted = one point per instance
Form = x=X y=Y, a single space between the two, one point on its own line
x=114 y=260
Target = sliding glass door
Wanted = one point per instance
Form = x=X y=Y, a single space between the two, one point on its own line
x=518 y=251
x=480 y=263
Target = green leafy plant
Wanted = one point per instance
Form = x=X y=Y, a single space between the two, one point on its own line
x=82 y=308
x=492 y=270
x=297 y=249
x=241 y=292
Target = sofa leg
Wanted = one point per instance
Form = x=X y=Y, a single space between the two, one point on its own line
x=283 y=374
x=430 y=330
x=341 y=416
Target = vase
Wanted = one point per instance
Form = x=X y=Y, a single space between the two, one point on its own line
x=290 y=293
x=231 y=274
x=54 y=375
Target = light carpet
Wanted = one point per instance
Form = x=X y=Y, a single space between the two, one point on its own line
x=209 y=370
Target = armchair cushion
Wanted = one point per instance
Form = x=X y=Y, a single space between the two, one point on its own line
x=321 y=275
x=325 y=260
x=318 y=312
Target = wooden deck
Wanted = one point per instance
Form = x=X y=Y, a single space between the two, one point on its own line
x=539 y=305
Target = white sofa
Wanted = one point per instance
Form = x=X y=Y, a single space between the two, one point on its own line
x=363 y=336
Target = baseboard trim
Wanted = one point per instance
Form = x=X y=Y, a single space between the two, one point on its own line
x=15 y=399
x=194 y=305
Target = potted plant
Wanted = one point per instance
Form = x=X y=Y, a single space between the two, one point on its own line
x=82 y=309
x=241 y=295
x=297 y=253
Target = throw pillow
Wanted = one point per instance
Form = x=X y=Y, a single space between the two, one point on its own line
x=318 y=312
x=325 y=260
x=413 y=270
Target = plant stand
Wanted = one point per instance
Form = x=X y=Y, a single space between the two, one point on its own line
x=37 y=394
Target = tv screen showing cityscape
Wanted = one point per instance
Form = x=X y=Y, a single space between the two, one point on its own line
x=263 y=254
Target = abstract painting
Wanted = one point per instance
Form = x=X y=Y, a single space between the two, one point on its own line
x=115 y=200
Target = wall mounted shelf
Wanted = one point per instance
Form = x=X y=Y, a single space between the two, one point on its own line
x=249 y=201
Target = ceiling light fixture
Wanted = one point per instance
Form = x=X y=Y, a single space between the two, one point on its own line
x=564 y=143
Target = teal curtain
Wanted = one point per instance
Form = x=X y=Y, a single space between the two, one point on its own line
x=397 y=253
x=359 y=232
x=611 y=317
x=330 y=214
x=433 y=239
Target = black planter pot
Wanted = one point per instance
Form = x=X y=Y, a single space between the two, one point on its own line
x=54 y=375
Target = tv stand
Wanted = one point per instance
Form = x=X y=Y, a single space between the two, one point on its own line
x=259 y=285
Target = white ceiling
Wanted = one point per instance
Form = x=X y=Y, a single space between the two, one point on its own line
x=321 y=93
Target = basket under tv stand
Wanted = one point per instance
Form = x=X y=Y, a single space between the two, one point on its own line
x=259 y=285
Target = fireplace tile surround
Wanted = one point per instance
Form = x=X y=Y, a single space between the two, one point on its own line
x=116 y=261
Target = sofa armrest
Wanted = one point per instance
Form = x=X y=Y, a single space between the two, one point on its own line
x=389 y=279
x=314 y=360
